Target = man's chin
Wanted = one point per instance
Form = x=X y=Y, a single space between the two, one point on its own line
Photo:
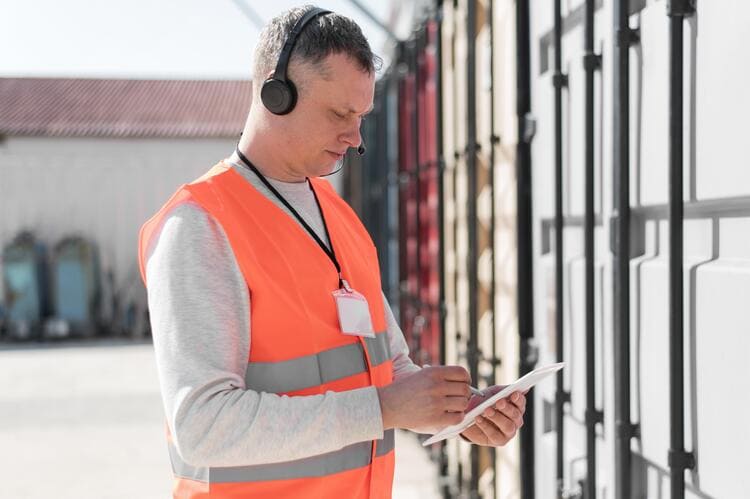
x=330 y=168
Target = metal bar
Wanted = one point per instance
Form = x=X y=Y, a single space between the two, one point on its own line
x=676 y=380
x=525 y=240
x=471 y=166
x=368 y=13
x=443 y=459
x=679 y=460
x=591 y=411
x=708 y=208
x=250 y=13
x=415 y=66
x=623 y=434
x=493 y=289
x=558 y=221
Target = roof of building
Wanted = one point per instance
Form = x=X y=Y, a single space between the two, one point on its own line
x=68 y=107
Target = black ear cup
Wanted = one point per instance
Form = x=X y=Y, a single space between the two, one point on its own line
x=278 y=96
x=278 y=93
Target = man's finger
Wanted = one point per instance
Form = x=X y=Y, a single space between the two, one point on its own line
x=503 y=422
x=456 y=404
x=456 y=373
x=519 y=400
x=457 y=389
x=510 y=410
x=494 y=435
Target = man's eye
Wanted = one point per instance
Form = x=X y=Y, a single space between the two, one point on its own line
x=339 y=115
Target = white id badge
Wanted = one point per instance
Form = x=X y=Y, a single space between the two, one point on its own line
x=354 y=314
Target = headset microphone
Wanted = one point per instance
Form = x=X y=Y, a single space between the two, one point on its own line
x=362 y=148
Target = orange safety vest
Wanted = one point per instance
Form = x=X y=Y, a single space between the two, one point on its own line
x=297 y=346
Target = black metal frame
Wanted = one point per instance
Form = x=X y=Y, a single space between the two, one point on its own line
x=528 y=351
x=594 y=416
x=494 y=140
x=438 y=16
x=679 y=459
x=559 y=81
x=625 y=430
x=471 y=168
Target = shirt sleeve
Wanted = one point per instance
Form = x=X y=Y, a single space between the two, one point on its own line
x=402 y=363
x=200 y=318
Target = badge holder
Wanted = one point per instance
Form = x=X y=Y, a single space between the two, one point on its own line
x=354 y=313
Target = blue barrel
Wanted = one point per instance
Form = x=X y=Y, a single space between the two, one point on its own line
x=76 y=290
x=26 y=287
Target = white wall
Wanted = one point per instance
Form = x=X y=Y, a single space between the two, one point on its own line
x=103 y=189
x=717 y=254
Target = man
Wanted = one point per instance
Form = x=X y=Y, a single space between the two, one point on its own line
x=282 y=369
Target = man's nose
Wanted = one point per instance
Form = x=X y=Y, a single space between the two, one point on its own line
x=353 y=137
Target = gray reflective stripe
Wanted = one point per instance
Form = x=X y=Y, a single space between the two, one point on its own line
x=378 y=349
x=349 y=458
x=386 y=444
x=316 y=369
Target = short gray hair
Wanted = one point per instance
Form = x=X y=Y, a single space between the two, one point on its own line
x=323 y=36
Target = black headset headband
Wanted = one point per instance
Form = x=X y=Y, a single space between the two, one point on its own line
x=286 y=51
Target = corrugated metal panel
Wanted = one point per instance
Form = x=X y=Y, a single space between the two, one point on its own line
x=716 y=253
x=456 y=198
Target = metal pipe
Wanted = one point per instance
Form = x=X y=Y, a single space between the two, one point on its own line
x=559 y=81
x=443 y=463
x=624 y=429
x=362 y=8
x=528 y=351
x=679 y=460
x=593 y=416
x=494 y=140
x=416 y=178
x=249 y=12
x=471 y=166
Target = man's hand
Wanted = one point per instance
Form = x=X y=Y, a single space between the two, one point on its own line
x=427 y=400
x=498 y=424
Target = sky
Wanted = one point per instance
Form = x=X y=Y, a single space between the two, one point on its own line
x=170 y=39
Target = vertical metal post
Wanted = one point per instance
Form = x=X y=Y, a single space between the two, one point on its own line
x=494 y=140
x=591 y=63
x=471 y=166
x=441 y=170
x=624 y=429
x=559 y=80
x=679 y=460
x=416 y=177
x=443 y=464
x=525 y=240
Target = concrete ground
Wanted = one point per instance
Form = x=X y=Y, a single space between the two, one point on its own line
x=84 y=420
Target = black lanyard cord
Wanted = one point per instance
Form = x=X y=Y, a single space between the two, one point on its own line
x=328 y=251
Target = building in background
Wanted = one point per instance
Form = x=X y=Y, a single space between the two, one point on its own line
x=94 y=158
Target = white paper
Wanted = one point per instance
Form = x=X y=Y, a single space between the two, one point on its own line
x=520 y=385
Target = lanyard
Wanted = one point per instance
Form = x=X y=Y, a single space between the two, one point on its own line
x=330 y=252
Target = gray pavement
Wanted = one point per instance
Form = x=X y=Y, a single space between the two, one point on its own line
x=84 y=420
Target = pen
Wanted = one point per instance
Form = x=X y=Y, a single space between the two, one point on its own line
x=476 y=391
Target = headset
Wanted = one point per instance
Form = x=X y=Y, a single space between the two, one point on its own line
x=278 y=93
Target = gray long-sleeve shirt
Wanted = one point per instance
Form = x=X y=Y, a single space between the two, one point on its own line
x=200 y=318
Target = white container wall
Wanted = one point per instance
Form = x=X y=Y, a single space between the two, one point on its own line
x=716 y=248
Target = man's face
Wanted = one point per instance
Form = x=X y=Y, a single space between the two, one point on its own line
x=326 y=121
